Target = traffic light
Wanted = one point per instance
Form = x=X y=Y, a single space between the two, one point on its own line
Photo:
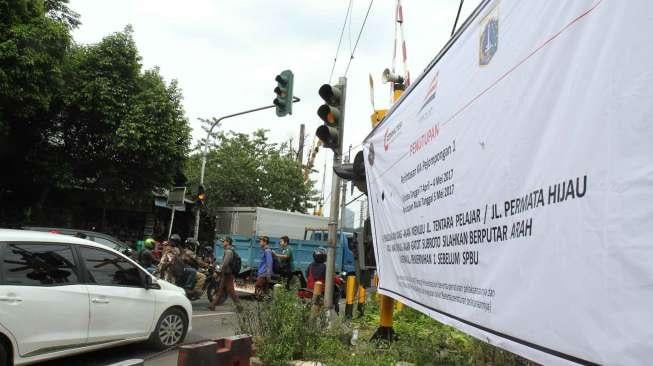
x=331 y=114
x=201 y=195
x=284 y=98
x=354 y=172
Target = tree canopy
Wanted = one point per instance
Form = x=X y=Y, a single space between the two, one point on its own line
x=122 y=128
x=244 y=170
x=81 y=116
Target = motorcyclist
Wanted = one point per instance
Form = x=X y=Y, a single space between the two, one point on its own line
x=145 y=257
x=171 y=267
x=193 y=279
x=207 y=255
x=316 y=271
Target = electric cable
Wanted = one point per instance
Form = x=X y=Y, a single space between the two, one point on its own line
x=351 y=57
x=342 y=32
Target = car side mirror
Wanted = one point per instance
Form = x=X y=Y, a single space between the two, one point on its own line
x=151 y=283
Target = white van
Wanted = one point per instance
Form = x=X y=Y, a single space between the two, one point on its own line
x=61 y=295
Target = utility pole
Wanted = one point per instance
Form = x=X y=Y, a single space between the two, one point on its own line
x=344 y=194
x=331 y=133
x=300 y=149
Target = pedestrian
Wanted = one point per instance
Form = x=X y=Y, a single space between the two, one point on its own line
x=286 y=259
x=264 y=273
x=227 y=283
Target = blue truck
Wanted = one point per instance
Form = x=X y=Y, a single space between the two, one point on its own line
x=245 y=225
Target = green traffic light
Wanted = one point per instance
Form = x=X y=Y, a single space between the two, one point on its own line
x=284 y=92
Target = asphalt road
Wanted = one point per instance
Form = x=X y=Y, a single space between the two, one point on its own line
x=206 y=325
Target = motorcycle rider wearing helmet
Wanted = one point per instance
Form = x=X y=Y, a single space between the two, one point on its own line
x=316 y=271
x=145 y=257
x=191 y=265
x=171 y=266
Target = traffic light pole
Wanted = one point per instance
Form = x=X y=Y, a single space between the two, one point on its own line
x=205 y=151
x=335 y=205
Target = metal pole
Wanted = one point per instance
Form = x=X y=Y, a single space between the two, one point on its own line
x=335 y=207
x=205 y=151
x=344 y=195
x=172 y=220
x=300 y=149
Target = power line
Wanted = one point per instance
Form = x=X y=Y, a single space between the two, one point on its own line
x=342 y=32
x=453 y=30
x=349 y=25
x=359 y=36
x=355 y=199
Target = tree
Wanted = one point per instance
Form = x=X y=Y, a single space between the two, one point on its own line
x=250 y=171
x=82 y=117
x=34 y=40
x=123 y=129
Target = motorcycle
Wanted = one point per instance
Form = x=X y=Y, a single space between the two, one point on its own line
x=207 y=282
x=338 y=291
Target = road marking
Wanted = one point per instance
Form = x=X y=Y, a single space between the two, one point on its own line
x=213 y=314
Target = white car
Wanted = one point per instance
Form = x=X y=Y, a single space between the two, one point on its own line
x=61 y=295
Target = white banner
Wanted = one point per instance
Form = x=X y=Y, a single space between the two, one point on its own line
x=511 y=190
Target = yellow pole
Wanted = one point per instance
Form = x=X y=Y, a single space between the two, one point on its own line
x=375 y=283
x=397 y=94
x=385 y=330
x=350 y=294
x=377 y=116
x=361 y=300
x=386 y=311
x=399 y=306
x=317 y=297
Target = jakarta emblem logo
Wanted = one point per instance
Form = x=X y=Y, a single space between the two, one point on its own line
x=489 y=39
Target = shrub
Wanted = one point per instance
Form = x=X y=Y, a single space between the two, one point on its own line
x=284 y=329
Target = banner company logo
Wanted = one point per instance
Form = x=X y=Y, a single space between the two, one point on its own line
x=390 y=135
x=489 y=39
x=433 y=90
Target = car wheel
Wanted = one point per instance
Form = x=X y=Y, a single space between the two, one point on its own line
x=4 y=355
x=170 y=329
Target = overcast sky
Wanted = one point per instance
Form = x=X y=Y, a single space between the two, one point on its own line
x=225 y=54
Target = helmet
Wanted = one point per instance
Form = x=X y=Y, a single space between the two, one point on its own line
x=175 y=239
x=320 y=255
x=149 y=243
x=191 y=243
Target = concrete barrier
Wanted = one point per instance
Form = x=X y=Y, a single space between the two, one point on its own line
x=197 y=354
x=234 y=351
x=229 y=351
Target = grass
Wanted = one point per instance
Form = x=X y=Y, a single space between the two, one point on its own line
x=284 y=329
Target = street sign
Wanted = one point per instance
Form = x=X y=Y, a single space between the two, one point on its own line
x=176 y=197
